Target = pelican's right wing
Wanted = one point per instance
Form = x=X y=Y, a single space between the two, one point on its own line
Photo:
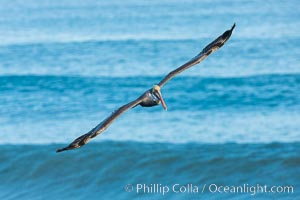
x=213 y=46
x=82 y=140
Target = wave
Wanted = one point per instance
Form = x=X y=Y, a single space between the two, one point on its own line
x=152 y=58
x=128 y=39
x=206 y=93
x=37 y=172
x=215 y=110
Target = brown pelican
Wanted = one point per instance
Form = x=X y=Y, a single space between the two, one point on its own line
x=151 y=97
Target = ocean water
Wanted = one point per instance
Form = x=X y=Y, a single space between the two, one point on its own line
x=232 y=120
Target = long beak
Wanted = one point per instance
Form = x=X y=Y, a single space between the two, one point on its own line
x=162 y=100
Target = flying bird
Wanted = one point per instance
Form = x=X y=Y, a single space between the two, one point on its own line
x=151 y=97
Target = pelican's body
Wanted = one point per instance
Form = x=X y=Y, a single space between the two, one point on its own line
x=151 y=97
x=149 y=100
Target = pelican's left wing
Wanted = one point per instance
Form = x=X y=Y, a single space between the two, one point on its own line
x=211 y=47
x=82 y=140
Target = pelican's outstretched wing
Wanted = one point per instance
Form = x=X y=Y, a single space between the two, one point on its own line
x=213 y=46
x=82 y=140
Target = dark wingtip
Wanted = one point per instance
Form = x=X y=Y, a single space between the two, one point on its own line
x=62 y=149
x=233 y=26
x=59 y=150
x=78 y=142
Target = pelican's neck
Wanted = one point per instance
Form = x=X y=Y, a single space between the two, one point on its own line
x=156 y=89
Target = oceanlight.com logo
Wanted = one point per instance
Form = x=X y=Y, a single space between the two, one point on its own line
x=155 y=188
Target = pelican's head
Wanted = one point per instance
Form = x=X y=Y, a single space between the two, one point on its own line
x=157 y=93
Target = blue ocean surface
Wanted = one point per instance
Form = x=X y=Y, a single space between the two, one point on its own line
x=233 y=120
